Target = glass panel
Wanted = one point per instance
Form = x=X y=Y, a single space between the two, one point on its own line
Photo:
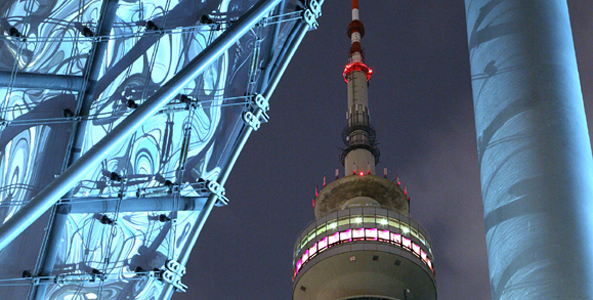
x=313 y=250
x=414 y=232
x=344 y=221
x=356 y=221
x=14 y=260
x=299 y=264
x=371 y=233
x=406 y=242
x=396 y=238
x=393 y=222
x=322 y=244
x=346 y=236
x=358 y=234
x=405 y=229
x=423 y=255
x=422 y=239
x=321 y=229
x=332 y=225
x=416 y=249
x=334 y=238
x=14 y=291
x=303 y=243
x=368 y=219
x=311 y=236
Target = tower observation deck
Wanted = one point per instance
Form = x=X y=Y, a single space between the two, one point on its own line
x=363 y=244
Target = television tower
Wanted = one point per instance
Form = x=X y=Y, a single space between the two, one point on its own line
x=362 y=245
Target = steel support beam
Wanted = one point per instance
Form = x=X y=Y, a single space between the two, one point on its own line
x=272 y=43
x=243 y=137
x=285 y=57
x=59 y=187
x=108 y=205
x=280 y=67
x=85 y=97
x=534 y=150
x=42 y=81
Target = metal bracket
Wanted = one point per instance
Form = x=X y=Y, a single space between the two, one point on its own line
x=257 y=113
x=36 y=280
x=215 y=188
x=250 y=119
x=172 y=274
x=167 y=189
x=311 y=13
x=3 y=124
x=74 y=278
x=262 y=103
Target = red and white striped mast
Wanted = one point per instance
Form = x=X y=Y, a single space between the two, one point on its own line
x=361 y=154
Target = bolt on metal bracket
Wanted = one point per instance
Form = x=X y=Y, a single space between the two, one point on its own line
x=257 y=111
x=215 y=188
x=311 y=13
x=172 y=274
x=3 y=124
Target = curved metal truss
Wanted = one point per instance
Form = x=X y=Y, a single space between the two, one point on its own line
x=119 y=124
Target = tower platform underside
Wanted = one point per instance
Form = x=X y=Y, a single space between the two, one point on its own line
x=365 y=270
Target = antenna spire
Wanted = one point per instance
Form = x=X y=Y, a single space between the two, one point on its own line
x=358 y=136
x=355 y=33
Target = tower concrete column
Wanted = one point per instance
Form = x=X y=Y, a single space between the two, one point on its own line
x=534 y=150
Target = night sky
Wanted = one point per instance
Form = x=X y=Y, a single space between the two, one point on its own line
x=421 y=106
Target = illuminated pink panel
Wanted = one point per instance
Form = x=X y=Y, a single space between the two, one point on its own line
x=323 y=244
x=305 y=256
x=334 y=238
x=346 y=236
x=299 y=264
x=358 y=233
x=423 y=255
x=416 y=249
x=429 y=263
x=406 y=242
x=371 y=233
x=384 y=234
x=396 y=238
x=313 y=250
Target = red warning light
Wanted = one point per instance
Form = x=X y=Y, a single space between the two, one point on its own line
x=361 y=173
x=357 y=66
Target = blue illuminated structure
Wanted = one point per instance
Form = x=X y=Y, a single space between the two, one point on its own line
x=121 y=122
x=533 y=148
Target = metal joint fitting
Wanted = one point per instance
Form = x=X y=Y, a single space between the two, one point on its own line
x=216 y=189
x=172 y=274
x=250 y=119
x=261 y=102
x=257 y=112
x=311 y=13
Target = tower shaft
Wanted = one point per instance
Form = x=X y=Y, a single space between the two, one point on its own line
x=534 y=149
x=362 y=245
x=361 y=154
x=359 y=159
